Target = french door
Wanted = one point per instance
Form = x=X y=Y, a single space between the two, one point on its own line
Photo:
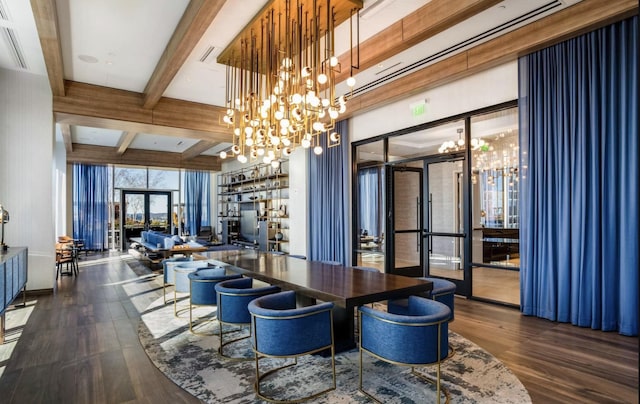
x=426 y=218
x=144 y=210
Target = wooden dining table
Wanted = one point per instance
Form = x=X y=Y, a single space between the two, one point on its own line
x=346 y=287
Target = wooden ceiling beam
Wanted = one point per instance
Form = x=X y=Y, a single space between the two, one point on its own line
x=88 y=154
x=46 y=18
x=103 y=107
x=196 y=19
x=65 y=129
x=125 y=140
x=197 y=149
x=429 y=20
x=570 y=22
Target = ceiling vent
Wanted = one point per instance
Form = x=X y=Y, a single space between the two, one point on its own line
x=4 y=11
x=14 y=48
x=208 y=56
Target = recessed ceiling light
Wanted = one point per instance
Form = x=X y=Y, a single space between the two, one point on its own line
x=88 y=58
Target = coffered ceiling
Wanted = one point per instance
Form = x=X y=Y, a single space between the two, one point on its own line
x=137 y=82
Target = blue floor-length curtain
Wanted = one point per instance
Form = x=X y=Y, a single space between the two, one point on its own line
x=91 y=205
x=328 y=201
x=579 y=186
x=197 y=198
x=369 y=200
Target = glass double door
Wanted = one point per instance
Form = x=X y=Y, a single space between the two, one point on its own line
x=144 y=210
x=427 y=220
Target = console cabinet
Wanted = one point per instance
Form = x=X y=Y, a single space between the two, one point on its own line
x=13 y=279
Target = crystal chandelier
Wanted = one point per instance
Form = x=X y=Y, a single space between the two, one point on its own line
x=281 y=77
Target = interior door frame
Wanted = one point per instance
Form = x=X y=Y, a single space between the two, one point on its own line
x=147 y=194
x=463 y=286
x=413 y=271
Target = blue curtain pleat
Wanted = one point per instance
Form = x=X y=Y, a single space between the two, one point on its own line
x=579 y=186
x=197 y=198
x=328 y=201
x=90 y=205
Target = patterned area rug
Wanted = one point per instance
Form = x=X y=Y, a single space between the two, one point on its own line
x=471 y=375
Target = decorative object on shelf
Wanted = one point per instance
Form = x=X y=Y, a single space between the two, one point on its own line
x=279 y=236
x=282 y=212
x=281 y=93
x=4 y=218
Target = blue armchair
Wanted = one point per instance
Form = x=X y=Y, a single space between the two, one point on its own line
x=168 y=276
x=418 y=338
x=234 y=297
x=202 y=288
x=443 y=291
x=280 y=330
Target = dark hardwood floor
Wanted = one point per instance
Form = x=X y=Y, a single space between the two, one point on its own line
x=80 y=345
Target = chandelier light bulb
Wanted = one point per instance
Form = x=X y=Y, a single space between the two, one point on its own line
x=286 y=141
x=305 y=72
x=318 y=126
x=333 y=61
x=460 y=142
x=321 y=114
x=260 y=151
x=275 y=163
x=254 y=154
x=333 y=113
x=223 y=155
x=286 y=151
x=322 y=78
x=248 y=141
x=278 y=115
x=305 y=143
x=236 y=131
x=317 y=150
x=284 y=123
x=334 y=137
x=296 y=98
x=242 y=158
x=266 y=160
x=343 y=109
x=326 y=102
x=235 y=149
x=226 y=119
x=248 y=130
x=351 y=81
x=275 y=140
x=284 y=131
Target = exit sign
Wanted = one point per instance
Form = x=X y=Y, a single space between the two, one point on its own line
x=418 y=108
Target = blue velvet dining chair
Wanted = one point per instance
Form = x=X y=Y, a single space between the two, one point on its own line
x=443 y=291
x=168 y=276
x=281 y=330
x=418 y=338
x=202 y=288
x=234 y=297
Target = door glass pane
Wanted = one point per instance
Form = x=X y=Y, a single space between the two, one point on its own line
x=407 y=249
x=370 y=212
x=494 y=206
x=158 y=212
x=445 y=197
x=446 y=257
x=424 y=143
x=406 y=196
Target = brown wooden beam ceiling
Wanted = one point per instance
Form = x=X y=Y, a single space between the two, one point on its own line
x=197 y=17
x=46 y=18
x=96 y=106
x=570 y=22
x=125 y=140
x=65 y=129
x=429 y=20
x=88 y=154
x=197 y=149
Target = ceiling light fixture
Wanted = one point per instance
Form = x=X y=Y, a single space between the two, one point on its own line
x=451 y=146
x=281 y=77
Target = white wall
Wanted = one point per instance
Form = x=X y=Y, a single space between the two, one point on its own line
x=298 y=202
x=26 y=161
x=491 y=87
